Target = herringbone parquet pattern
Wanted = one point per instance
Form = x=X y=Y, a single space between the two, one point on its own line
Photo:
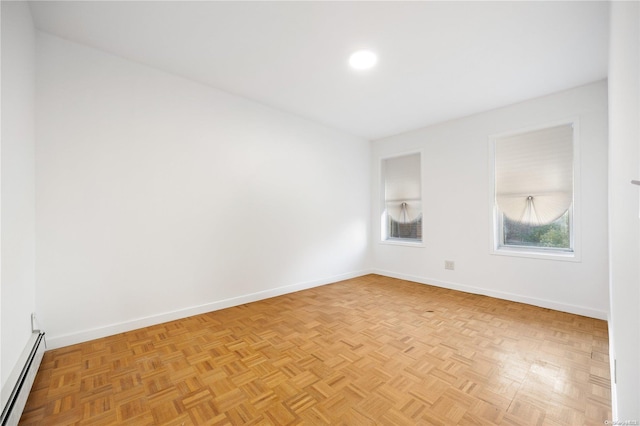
x=370 y=350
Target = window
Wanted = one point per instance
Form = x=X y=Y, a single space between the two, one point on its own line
x=534 y=191
x=402 y=195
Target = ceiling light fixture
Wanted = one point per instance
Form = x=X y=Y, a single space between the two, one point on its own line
x=363 y=59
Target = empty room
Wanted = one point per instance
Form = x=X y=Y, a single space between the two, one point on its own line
x=301 y=212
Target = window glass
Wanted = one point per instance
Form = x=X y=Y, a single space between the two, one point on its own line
x=405 y=230
x=555 y=235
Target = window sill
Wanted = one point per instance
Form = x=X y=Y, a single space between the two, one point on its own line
x=399 y=242
x=565 y=256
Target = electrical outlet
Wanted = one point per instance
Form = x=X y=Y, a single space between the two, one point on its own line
x=449 y=264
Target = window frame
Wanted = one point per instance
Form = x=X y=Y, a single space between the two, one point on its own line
x=496 y=246
x=384 y=238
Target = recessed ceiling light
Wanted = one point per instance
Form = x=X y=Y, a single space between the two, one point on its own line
x=363 y=59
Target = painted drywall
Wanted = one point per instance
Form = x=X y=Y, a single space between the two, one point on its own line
x=18 y=186
x=457 y=207
x=624 y=207
x=159 y=197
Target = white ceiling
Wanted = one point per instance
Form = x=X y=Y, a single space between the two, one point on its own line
x=437 y=60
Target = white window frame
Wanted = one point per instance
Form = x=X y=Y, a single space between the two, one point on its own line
x=382 y=205
x=496 y=226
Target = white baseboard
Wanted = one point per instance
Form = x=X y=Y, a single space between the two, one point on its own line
x=543 y=303
x=612 y=370
x=59 y=341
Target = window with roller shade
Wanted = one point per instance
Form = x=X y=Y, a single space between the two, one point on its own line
x=534 y=190
x=402 y=211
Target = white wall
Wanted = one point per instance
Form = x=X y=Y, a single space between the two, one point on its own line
x=159 y=197
x=18 y=185
x=624 y=207
x=456 y=203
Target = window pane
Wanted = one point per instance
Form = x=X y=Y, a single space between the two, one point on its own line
x=410 y=230
x=554 y=235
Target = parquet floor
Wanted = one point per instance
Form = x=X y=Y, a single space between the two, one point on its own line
x=371 y=350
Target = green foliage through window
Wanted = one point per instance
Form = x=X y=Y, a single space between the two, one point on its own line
x=553 y=235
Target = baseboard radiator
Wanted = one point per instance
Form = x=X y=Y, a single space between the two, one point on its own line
x=12 y=410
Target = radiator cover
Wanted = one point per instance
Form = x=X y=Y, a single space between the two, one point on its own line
x=12 y=411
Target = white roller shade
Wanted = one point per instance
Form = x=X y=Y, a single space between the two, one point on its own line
x=534 y=174
x=402 y=193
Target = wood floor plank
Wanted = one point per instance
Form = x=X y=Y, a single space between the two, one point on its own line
x=371 y=350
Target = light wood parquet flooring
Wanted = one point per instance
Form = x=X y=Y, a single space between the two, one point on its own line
x=371 y=350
